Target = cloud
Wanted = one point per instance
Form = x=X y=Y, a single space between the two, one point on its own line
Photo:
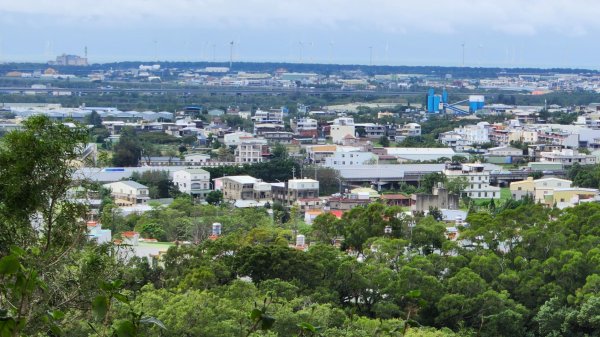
x=513 y=17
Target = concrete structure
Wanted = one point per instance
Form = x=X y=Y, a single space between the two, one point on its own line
x=295 y=189
x=439 y=198
x=404 y=154
x=343 y=158
x=236 y=188
x=193 y=181
x=477 y=177
x=234 y=139
x=370 y=130
x=268 y=117
x=537 y=189
x=251 y=150
x=567 y=157
x=411 y=130
x=569 y=197
x=305 y=127
x=340 y=128
x=128 y=192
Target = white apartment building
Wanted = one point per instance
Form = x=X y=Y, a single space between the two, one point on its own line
x=234 y=139
x=411 y=130
x=251 y=150
x=193 y=181
x=478 y=178
x=475 y=134
x=567 y=157
x=344 y=158
x=268 y=117
x=340 y=128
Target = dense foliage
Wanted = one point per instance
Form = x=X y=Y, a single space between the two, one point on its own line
x=516 y=270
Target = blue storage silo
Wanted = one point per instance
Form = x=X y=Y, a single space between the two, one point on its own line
x=436 y=103
x=444 y=96
x=430 y=101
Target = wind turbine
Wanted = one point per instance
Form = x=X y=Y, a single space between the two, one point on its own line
x=331 y=52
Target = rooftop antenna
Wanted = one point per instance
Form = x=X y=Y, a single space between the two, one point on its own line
x=230 y=54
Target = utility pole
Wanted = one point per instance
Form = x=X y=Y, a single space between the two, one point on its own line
x=294 y=172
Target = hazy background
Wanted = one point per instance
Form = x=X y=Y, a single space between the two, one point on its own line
x=515 y=33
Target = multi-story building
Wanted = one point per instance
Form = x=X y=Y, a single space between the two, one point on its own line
x=305 y=127
x=345 y=158
x=251 y=150
x=193 y=181
x=567 y=157
x=371 y=130
x=268 y=117
x=478 y=180
x=243 y=188
x=234 y=138
x=293 y=190
x=128 y=192
x=537 y=189
x=340 y=128
x=411 y=130
x=278 y=137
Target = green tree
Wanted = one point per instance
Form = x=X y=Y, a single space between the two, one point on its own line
x=128 y=150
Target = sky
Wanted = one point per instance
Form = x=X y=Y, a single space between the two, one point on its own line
x=503 y=33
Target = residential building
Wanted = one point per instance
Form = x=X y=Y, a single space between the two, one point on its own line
x=411 y=130
x=569 y=197
x=234 y=138
x=281 y=137
x=537 y=189
x=251 y=150
x=344 y=158
x=290 y=192
x=340 y=128
x=478 y=178
x=370 y=130
x=243 y=188
x=305 y=127
x=128 y=192
x=268 y=117
x=193 y=181
x=567 y=157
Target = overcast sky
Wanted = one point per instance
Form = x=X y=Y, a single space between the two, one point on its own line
x=506 y=33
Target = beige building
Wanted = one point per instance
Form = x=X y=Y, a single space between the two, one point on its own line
x=243 y=188
x=537 y=189
x=251 y=150
x=127 y=192
x=340 y=128
x=569 y=197
x=296 y=189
